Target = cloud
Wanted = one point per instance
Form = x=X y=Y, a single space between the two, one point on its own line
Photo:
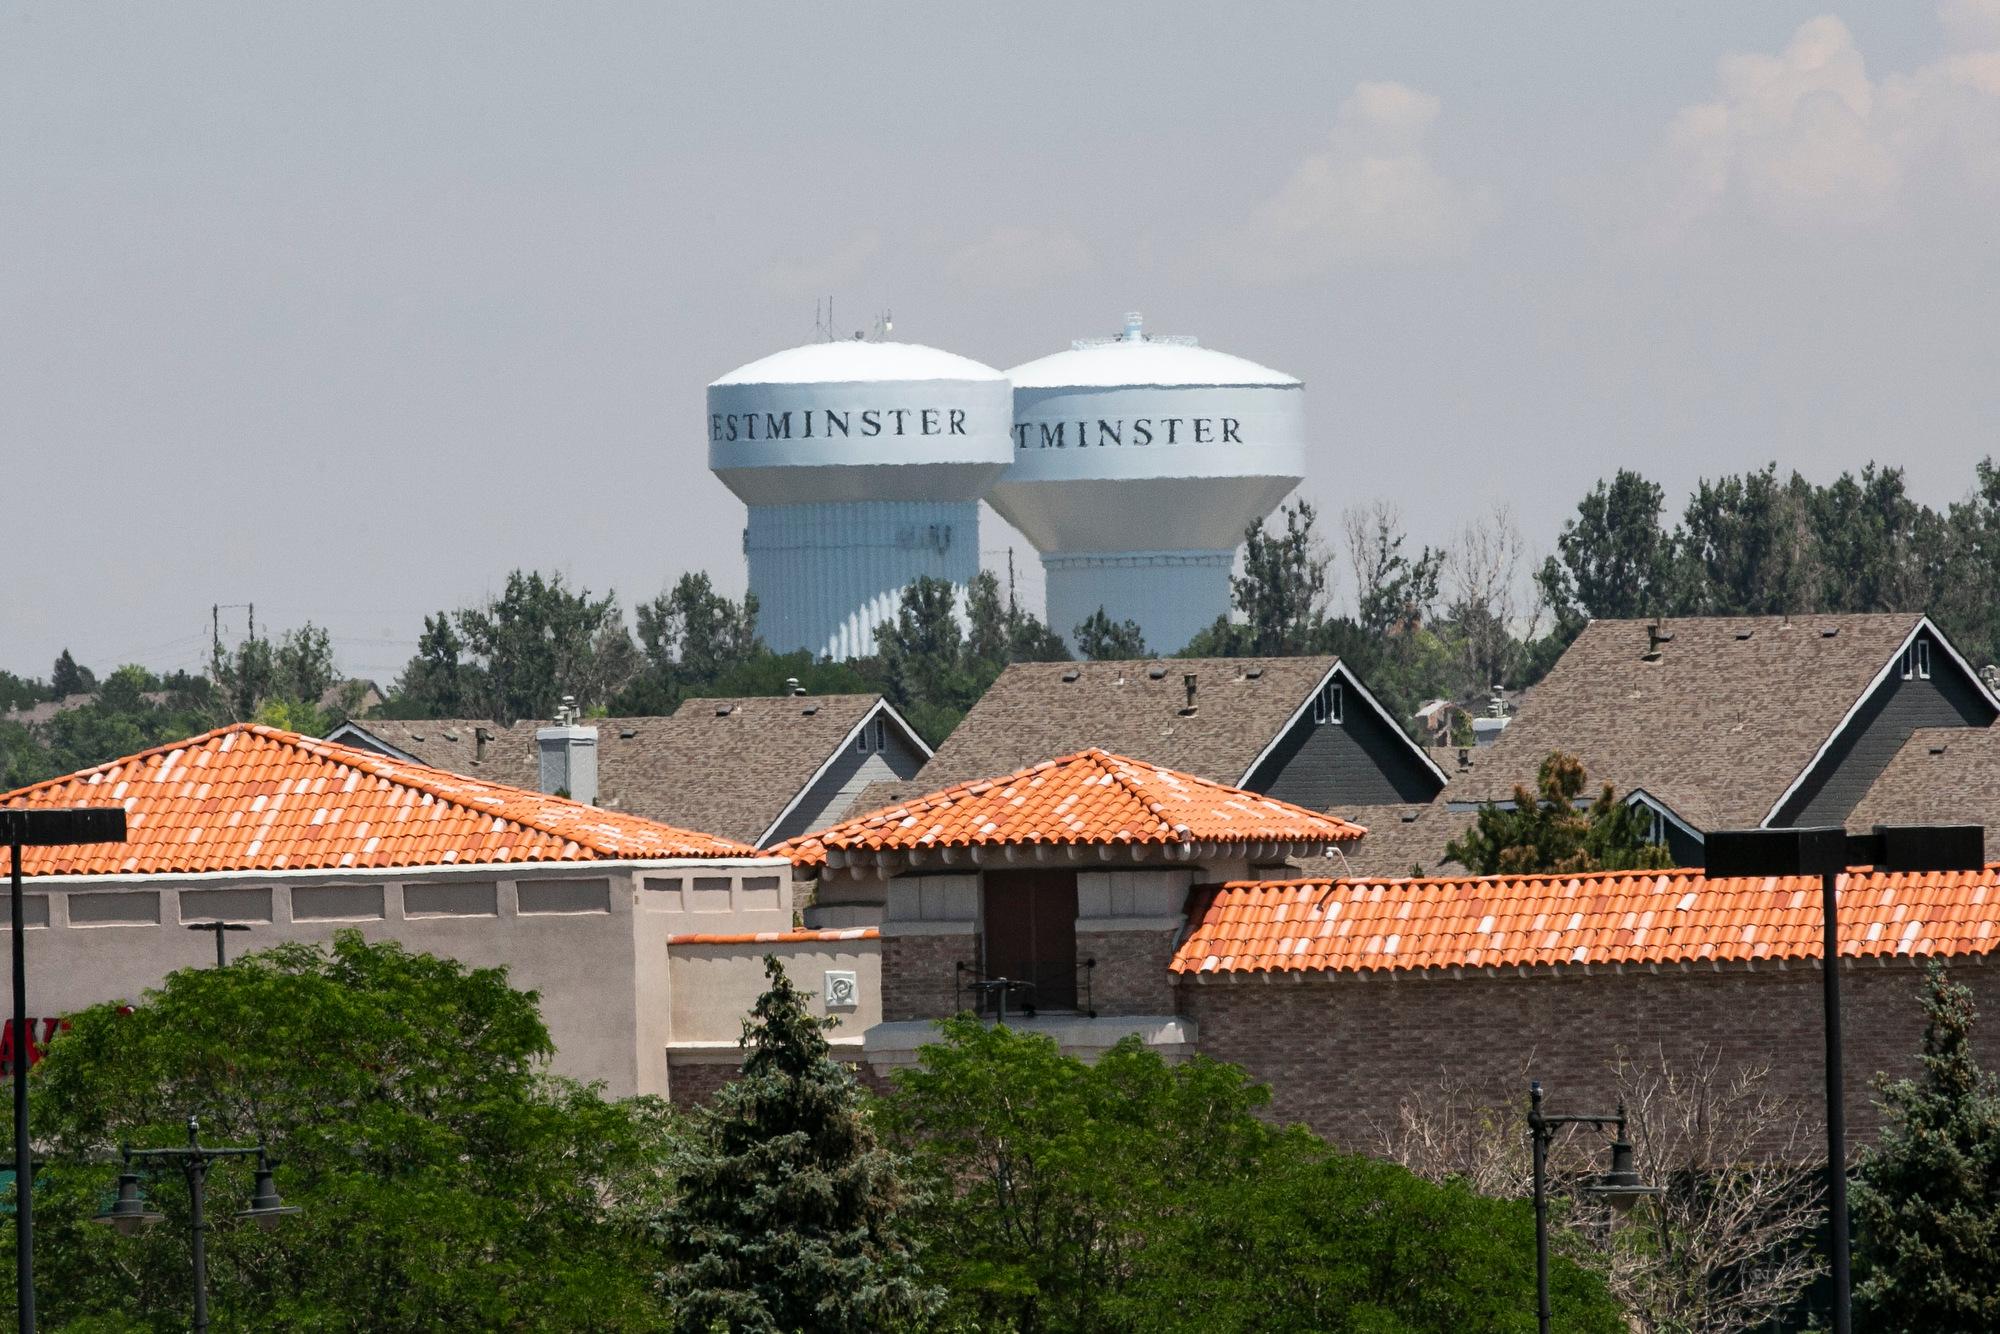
x=816 y=275
x=1373 y=193
x=1018 y=258
x=1807 y=140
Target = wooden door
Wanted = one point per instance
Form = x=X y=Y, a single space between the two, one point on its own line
x=1030 y=932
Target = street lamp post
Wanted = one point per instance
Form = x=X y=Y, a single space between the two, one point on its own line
x=1619 y=1187
x=1828 y=852
x=36 y=828
x=219 y=928
x=129 y=1211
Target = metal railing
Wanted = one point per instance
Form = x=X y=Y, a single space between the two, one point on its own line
x=997 y=995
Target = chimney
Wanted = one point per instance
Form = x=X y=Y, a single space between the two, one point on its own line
x=568 y=756
x=480 y=736
x=1188 y=683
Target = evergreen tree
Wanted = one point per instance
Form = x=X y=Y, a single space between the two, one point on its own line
x=1100 y=639
x=786 y=1218
x=1546 y=833
x=1927 y=1204
x=68 y=678
x=1283 y=588
x=1613 y=561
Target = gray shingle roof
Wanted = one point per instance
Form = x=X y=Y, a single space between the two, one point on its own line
x=1039 y=710
x=1400 y=838
x=1942 y=775
x=721 y=766
x=1716 y=725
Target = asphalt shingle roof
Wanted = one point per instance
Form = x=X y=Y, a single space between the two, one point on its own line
x=728 y=765
x=1942 y=775
x=1717 y=725
x=1038 y=709
x=254 y=798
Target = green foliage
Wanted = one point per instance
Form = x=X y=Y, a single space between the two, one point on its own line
x=282 y=684
x=786 y=1217
x=1101 y=639
x=438 y=682
x=445 y=1181
x=933 y=670
x=1612 y=561
x=1545 y=832
x=1282 y=591
x=67 y=678
x=691 y=637
x=1927 y=1202
x=1134 y=1194
x=539 y=641
x=20 y=692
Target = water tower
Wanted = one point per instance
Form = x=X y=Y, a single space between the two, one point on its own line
x=1138 y=463
x=863 y=464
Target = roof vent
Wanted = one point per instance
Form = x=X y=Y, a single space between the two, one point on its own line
x=1938 y=749
x=1188 y=684
x=1254 y=673
x=416 y=736
x=480 y=736
x=809 y=710
x=1828 y=631
x=1745 y=634
x=1157 y=671
x=1409 y=817
x=1072 y=674
x=1655 y=637
x=792 y=686
x=724 y=710
x=627 y=733
x=450 y=735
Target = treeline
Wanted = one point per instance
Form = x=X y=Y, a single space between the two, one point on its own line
x=1455 y=622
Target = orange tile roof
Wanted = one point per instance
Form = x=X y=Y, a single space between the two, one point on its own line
x=1092 y=797
x=799 y=937
x=1636 y=917
x=254 y=798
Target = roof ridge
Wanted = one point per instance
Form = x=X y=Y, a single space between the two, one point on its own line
x=185 y=743
x=1098 y=755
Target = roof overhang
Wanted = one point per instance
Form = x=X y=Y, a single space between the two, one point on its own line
x=872 y=864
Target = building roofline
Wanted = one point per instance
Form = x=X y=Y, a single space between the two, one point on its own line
x=881 y=705
x=1341 y=669
x=1875 y=683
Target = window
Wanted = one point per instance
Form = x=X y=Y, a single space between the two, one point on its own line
x=861 y=742
x=874 y=736
x=1656 y=826
x=1917 y=661
x=1329 y=705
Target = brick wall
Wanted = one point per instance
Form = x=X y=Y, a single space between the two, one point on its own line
x=918 y=974
x=1341 y=1052
x=1131 y=975
x=695 y=1082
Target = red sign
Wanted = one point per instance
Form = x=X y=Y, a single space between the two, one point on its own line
x=39 y=1033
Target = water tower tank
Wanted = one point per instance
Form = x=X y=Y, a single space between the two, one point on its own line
x=1138 y=463
x=862 y=464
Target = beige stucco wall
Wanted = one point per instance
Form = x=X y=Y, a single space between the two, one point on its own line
x=589 y=937
x=714 y=987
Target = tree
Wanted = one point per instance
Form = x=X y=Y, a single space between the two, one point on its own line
x=786 y=1217
x=1746 y=547
x=1099 y=638
x=1927 y=1201
x=1545 y=832
x=20 y=692
x=539 y=641
x=1002 y=632
x=1394 y=593
x=922 y=651
x=1727 y=1247
x=1612 y=560
x=68 y=678
x=438 y=682
x=695 y=632
x=1282 y=592
x=445 y=1181
x=1134 y=1194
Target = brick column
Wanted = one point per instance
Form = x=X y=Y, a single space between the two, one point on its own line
x=1131 y=975
x=919 y=968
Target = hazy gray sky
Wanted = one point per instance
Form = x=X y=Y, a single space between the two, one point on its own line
x=346 y=310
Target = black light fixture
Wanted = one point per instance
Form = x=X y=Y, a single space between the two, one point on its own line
x=20 y=828
x=221 y=961
x=266 y=1208
x=1620 y=1187
x=129 y=1211
x=1828 y=852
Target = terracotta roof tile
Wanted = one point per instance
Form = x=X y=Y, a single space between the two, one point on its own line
x=1088 y=798
x=1611 y=917
x=801 y=937
x=254 y=798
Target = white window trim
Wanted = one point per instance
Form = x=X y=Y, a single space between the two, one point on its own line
x=1329 y=704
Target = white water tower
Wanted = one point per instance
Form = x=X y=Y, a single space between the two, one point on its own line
x=863 y=464
x=1138 y=463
